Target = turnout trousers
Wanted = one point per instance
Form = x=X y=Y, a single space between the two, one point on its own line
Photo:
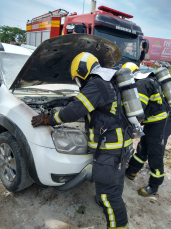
x=151 y=147
x=109 y=183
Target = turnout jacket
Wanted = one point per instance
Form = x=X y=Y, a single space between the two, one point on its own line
x=152 y=100
x=97 y=94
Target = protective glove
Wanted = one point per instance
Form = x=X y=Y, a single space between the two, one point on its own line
x=40 y=120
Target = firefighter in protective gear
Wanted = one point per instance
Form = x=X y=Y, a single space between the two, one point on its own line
x=157 y=128
x=97 y=102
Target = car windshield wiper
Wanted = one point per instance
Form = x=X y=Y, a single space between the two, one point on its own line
x=59 y=92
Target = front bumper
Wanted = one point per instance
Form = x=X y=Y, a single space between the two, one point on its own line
x=48 y=161
x=85 y=174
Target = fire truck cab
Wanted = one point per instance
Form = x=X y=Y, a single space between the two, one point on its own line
x=104 y=22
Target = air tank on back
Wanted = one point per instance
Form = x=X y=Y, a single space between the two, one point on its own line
x=130 y=97
x=164 y=78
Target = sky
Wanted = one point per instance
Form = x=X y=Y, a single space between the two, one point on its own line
x=153 y=16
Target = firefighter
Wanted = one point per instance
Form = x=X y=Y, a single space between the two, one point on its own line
x=97 y=102
x=157 y=128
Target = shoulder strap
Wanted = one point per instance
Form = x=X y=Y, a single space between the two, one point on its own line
x=120 y=110
x=102 y=88
x=118 y=100
x=161 y=93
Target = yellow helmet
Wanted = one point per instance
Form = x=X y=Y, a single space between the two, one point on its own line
x=82 y=65
x=133 y=67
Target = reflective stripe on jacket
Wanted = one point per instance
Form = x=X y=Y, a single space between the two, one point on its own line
x=154 y=108
x=89 y=99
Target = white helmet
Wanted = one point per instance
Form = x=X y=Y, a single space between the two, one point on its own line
x=136 y=72
x=138 y=75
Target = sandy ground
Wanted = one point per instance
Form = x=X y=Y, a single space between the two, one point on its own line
x=46 y=208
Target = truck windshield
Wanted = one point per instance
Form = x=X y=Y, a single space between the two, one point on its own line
x=127 y=43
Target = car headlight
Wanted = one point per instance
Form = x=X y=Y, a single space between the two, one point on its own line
x=69 y=141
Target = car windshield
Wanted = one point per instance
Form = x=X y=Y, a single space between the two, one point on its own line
x=128 y=43
x=11 y=65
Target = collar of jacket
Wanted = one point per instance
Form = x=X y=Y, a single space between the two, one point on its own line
x=139 y=76
x=105 y=73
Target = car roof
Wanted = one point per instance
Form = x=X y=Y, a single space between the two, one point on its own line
x=9 y=48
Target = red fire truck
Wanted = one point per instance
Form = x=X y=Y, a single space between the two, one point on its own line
x=104 y=22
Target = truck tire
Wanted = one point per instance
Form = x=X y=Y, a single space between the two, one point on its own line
x=13 y=170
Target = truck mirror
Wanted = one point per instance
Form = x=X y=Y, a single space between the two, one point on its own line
x=144 y=45
x=142 y=56
x=80 y=28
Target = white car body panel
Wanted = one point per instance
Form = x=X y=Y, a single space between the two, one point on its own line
x=47 y=159
x=45 y=156
x=21 y=115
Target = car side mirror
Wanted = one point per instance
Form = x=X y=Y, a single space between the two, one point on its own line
x=80 y=28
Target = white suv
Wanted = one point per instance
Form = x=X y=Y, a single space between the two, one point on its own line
x=44 y=155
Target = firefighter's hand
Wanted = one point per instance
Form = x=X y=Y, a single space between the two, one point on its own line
x=40 y=120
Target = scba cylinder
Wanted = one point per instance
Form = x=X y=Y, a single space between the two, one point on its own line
x=130 y=97
x=163 y=76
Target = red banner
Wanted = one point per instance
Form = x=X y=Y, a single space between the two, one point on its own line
x=159 y=49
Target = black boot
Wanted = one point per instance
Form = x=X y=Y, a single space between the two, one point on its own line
x=129 y=175
x=147 y=191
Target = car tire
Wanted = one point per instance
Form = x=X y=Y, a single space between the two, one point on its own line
x=13 y=170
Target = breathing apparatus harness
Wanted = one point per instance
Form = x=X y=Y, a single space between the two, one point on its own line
x=121 y=119
x=165 y=102
x=159 y=84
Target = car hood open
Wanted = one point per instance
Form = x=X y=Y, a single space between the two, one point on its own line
x=51 y=61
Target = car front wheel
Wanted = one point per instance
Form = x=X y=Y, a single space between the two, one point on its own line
x=13 y=170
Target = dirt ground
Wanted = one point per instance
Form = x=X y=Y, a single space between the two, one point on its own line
x=46 y=208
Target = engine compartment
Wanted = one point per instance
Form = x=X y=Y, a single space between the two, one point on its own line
x=46 y=105
x=50 y=105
